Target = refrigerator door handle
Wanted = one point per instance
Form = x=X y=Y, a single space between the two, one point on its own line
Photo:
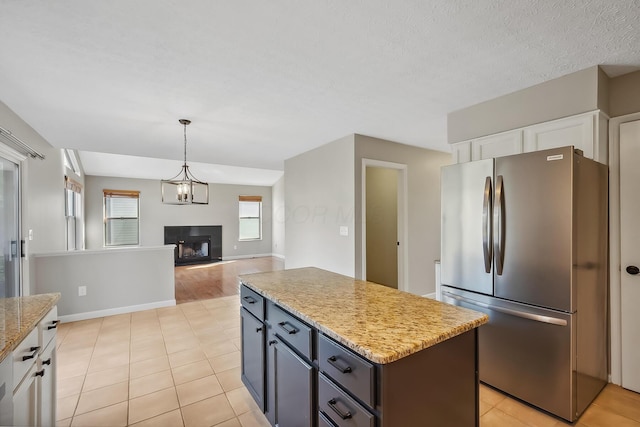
x=517 y=313
x=486 y=225
x=498 y=229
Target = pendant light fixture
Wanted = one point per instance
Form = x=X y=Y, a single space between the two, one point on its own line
x=184 y=188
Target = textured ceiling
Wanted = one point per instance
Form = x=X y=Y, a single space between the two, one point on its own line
x=263 y=81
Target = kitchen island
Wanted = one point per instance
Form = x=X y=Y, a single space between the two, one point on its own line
x=324 y=349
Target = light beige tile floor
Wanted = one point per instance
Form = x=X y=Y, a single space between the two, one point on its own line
x=180 y=366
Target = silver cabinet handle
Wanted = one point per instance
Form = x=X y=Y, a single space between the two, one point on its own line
x=517 y=313
x=486 y=225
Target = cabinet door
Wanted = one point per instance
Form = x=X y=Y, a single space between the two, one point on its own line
x=25 y=400
x=253 y=366
x=292 y=387
x=47 y=385
x=576 y=130
x=502 y=144
x=6 y=392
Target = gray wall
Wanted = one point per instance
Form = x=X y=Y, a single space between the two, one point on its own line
x=42 y=195
x=572 y=94
x=423 y=181
x=319 y=199
x=117 y=280
x=625 y=94
x=221 y=210
x=278 y=215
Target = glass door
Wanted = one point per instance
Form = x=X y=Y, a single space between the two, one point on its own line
x=9 y=229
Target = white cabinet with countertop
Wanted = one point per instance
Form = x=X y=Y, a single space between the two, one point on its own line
x=27 y=360
x=587 y=132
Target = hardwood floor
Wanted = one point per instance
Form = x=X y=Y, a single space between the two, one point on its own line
x=219 y=279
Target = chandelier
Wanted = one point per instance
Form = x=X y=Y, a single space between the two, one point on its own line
x=184 y=188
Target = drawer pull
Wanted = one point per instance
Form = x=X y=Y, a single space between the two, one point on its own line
x=40 y=373
x=250 y=299
x=259 y=329
x=333 y=361
x=332 y=405
x=32 y=355
x=53 y=325
x=272 y=342
x=47 y=362
x=290 y=329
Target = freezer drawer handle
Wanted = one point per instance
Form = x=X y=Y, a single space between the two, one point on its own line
x=524 y=315
x=332 y=405
x=250 y=300
x=333 y=361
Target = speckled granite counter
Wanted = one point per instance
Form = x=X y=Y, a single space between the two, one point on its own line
x=377 y=322
x=18 y=317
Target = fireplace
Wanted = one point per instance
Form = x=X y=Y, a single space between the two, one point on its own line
x=195 y=244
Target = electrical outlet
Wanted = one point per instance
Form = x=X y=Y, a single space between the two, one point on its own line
x=82 y=291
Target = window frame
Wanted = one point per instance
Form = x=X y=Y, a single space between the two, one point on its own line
x=130 y=194
x=249 y=199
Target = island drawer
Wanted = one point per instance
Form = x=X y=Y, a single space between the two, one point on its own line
x=347 y=369
x=290 y=329
x=340 y=408
x=252 y=301
x=47 y=328
x=24 y=356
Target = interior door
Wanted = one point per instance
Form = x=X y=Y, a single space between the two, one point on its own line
x=9 y=229
x=630 y=253
x=382 y=225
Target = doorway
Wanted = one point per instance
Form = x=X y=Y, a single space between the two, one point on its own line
x=384 y=223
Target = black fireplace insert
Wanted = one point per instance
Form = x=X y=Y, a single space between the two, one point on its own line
x=195 y=244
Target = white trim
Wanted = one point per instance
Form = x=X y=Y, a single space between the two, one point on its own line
x=432 y=295
x=614 y=244
x=113 y=311
x=277 y=256
x=403 y=219
x=228 y=258
x=11 y=154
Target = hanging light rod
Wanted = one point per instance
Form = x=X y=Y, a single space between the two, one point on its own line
x=22 y=146
x=184 y=188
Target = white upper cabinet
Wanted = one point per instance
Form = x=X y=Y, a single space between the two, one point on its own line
x=498 y=145
x=587 y=132
x=577 y=131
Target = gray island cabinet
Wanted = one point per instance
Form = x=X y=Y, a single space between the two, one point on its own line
x=322 y=349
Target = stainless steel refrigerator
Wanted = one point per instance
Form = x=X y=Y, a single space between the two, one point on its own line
x=524 y=239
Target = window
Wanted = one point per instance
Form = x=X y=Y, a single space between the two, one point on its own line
x=121 y=222
x=250 y=217
x=73 y=214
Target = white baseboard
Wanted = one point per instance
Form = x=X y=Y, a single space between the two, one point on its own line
x=113 y=311
x=278 y=256
x=228 y=258
x=432 y=295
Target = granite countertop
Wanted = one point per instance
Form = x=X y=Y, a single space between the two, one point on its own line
x=19 y=316
x=380 y=323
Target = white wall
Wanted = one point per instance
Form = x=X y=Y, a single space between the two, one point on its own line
x=42 y=194
x=278 y=216
x=116 y=280
x=221 y=210
x=319 y=199
x=423 y=202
